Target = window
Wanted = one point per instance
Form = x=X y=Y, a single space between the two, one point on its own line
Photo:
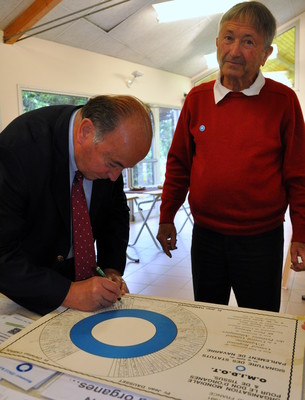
x=32 y=99
x=280 y=66
x=168 y=119
x=151 y=170
x=142 y=174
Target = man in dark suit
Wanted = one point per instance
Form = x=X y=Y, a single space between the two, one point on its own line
x=39 y=154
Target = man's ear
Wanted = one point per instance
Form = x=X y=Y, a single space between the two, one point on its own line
x=268 y=53
x=85 y=130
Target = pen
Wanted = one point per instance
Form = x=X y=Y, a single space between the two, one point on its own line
x=101 y=272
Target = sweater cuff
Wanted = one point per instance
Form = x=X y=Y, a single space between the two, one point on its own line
x=298 y=233
x=168 y=212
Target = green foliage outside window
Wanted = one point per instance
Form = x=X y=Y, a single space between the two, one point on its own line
x=31 y=100
x=167 y=125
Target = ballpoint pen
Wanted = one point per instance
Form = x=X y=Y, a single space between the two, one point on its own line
x=101 y=272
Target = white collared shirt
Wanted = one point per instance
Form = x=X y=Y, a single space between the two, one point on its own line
x=87 y=184
x=221 y=91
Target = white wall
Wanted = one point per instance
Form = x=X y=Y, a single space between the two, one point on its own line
x=41 y=64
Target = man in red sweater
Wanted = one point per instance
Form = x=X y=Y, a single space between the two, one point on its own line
x=239 y=150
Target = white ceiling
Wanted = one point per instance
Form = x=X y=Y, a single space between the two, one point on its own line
x=129 y=30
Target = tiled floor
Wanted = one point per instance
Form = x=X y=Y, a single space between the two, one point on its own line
x=158 y=275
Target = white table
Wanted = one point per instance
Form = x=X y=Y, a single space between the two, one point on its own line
x=156 y=194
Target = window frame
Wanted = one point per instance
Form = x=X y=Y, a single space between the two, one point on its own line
x=156 y=142
x=21 y=88
x=295 y=24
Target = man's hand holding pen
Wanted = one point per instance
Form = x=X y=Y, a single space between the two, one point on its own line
x=114 y=276
x=95 y=293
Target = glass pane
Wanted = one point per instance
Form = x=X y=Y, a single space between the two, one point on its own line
x=32 y=99
x=168 y=121
x=207 y=78
x=143 y=174
x=151 y=170
x=280 y=66
x=124 y=173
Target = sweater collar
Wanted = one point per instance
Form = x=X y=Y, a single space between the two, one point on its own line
x=221 y=91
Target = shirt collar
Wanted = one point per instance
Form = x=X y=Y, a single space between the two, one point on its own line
x=221 y=91
x=87 y=184
x=72 y=163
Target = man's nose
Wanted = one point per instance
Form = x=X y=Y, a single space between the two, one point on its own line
x=114 y=174
x=235 y=48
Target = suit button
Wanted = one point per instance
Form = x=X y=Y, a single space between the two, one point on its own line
x=60 y=258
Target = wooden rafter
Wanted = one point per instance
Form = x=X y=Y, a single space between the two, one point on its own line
x=28 y=19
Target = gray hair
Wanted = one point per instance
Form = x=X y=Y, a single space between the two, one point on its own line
x=258 y=15
x=107 y=112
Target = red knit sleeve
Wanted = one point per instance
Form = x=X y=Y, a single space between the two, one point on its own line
x=294 y=166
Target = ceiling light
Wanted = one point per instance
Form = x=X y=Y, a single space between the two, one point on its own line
x=135 y=74
x=176 y=10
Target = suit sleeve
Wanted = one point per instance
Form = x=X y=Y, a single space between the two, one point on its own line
x=112 y=232
x=23 y=278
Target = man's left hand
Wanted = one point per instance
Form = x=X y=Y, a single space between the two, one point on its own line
x=297 y=252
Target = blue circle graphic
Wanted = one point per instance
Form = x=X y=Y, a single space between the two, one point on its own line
x=24 y=367
x=81 y=334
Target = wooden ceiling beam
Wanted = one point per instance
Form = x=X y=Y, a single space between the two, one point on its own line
x=28 y=19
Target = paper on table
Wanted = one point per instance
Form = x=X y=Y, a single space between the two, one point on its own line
x=9 y=307
x=23 y=374
x=199 y=351
x=10 y=394
x=67 y=387
x=12 y=324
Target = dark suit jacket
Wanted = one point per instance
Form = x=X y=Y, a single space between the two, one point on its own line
x=35 y=211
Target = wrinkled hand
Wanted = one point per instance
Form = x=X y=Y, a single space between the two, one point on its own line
x=115 y=277
x=297 y=252
x=167 y=236
x=95 y=293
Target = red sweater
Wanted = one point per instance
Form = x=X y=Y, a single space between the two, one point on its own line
x=242 y=160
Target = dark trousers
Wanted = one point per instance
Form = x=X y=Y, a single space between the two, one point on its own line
x=250 y=265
